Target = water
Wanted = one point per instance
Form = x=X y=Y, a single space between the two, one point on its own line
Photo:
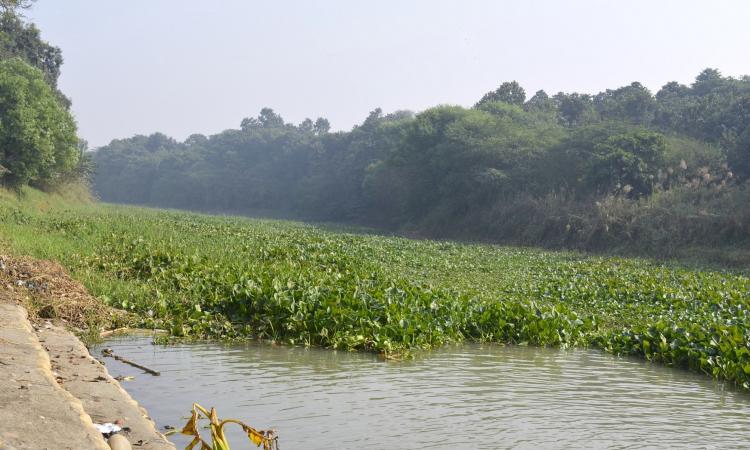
x=471 y=396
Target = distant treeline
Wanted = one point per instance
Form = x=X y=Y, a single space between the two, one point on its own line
x=618 y=168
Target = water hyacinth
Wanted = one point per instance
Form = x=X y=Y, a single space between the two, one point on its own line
x=230 y=278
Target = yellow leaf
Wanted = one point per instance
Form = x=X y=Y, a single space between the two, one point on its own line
x=257 y=438
x=190 y=427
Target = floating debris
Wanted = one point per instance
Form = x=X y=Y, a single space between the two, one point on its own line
x=111 y=354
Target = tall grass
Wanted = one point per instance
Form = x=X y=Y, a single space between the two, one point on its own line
x=705 y=224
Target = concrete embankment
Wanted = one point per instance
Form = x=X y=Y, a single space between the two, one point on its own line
x=52 y=391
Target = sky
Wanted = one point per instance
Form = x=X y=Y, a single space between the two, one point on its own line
x=195 y=66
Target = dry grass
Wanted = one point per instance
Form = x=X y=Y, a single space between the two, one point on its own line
x=48 y=292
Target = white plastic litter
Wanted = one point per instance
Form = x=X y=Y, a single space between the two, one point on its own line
x=107 y=429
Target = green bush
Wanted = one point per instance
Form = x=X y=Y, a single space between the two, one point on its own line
x=38 y=142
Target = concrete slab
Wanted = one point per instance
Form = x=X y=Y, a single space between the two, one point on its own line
x=35 y=411
x=102 y=397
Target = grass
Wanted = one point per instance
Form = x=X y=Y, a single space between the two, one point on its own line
x=227 y=277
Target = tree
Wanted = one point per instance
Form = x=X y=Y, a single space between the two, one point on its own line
x=306 y=125
x=540 y=102
x=14 y=6
x=672 y=89
x=453 y=159
x=372 y=119
x=508 y=92
x=159 y=141
x=575 y=109
x=38 y=142
x=196 y=139
x=401 y=114
x=249 y=123
x=321 y=126
x=24 y=40
x=266 y=119
x=18 y=39
x=707 y=81
x=269 y=119
x=628 y=163
x=674 y=103
x=633 y=103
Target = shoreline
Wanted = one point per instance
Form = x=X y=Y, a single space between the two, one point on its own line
x=54 y=390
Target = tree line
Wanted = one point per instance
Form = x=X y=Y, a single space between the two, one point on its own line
x=569 y=169
x=622 y=167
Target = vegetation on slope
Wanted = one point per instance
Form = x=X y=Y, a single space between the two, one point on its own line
x=202 y=276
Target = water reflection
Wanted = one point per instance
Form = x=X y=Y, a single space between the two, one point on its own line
x=472 y=396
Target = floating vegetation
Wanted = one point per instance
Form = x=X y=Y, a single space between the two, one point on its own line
x=217 y=277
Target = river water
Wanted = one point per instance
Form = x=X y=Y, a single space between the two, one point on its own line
x=469 y=396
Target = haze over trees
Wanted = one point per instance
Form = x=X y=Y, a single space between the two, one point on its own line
x=621 y=168
x=566 y=169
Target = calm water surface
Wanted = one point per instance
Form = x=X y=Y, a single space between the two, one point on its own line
x=471 y=396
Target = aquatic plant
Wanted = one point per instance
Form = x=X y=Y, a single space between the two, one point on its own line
x=231 y=278
x=266 y=438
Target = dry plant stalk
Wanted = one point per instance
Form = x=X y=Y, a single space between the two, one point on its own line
x=266 y=438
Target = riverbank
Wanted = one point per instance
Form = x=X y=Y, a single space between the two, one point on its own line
x=52 y=390
x=37 y=412
x=208 y=277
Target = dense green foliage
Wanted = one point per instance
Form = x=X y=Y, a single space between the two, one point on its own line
x=623 y=167
x=23 y=40
x=38 y=141
x=203 y=276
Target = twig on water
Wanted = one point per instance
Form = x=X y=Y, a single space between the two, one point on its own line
x=110 y=353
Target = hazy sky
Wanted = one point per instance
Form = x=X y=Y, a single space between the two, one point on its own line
x=189 y=66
